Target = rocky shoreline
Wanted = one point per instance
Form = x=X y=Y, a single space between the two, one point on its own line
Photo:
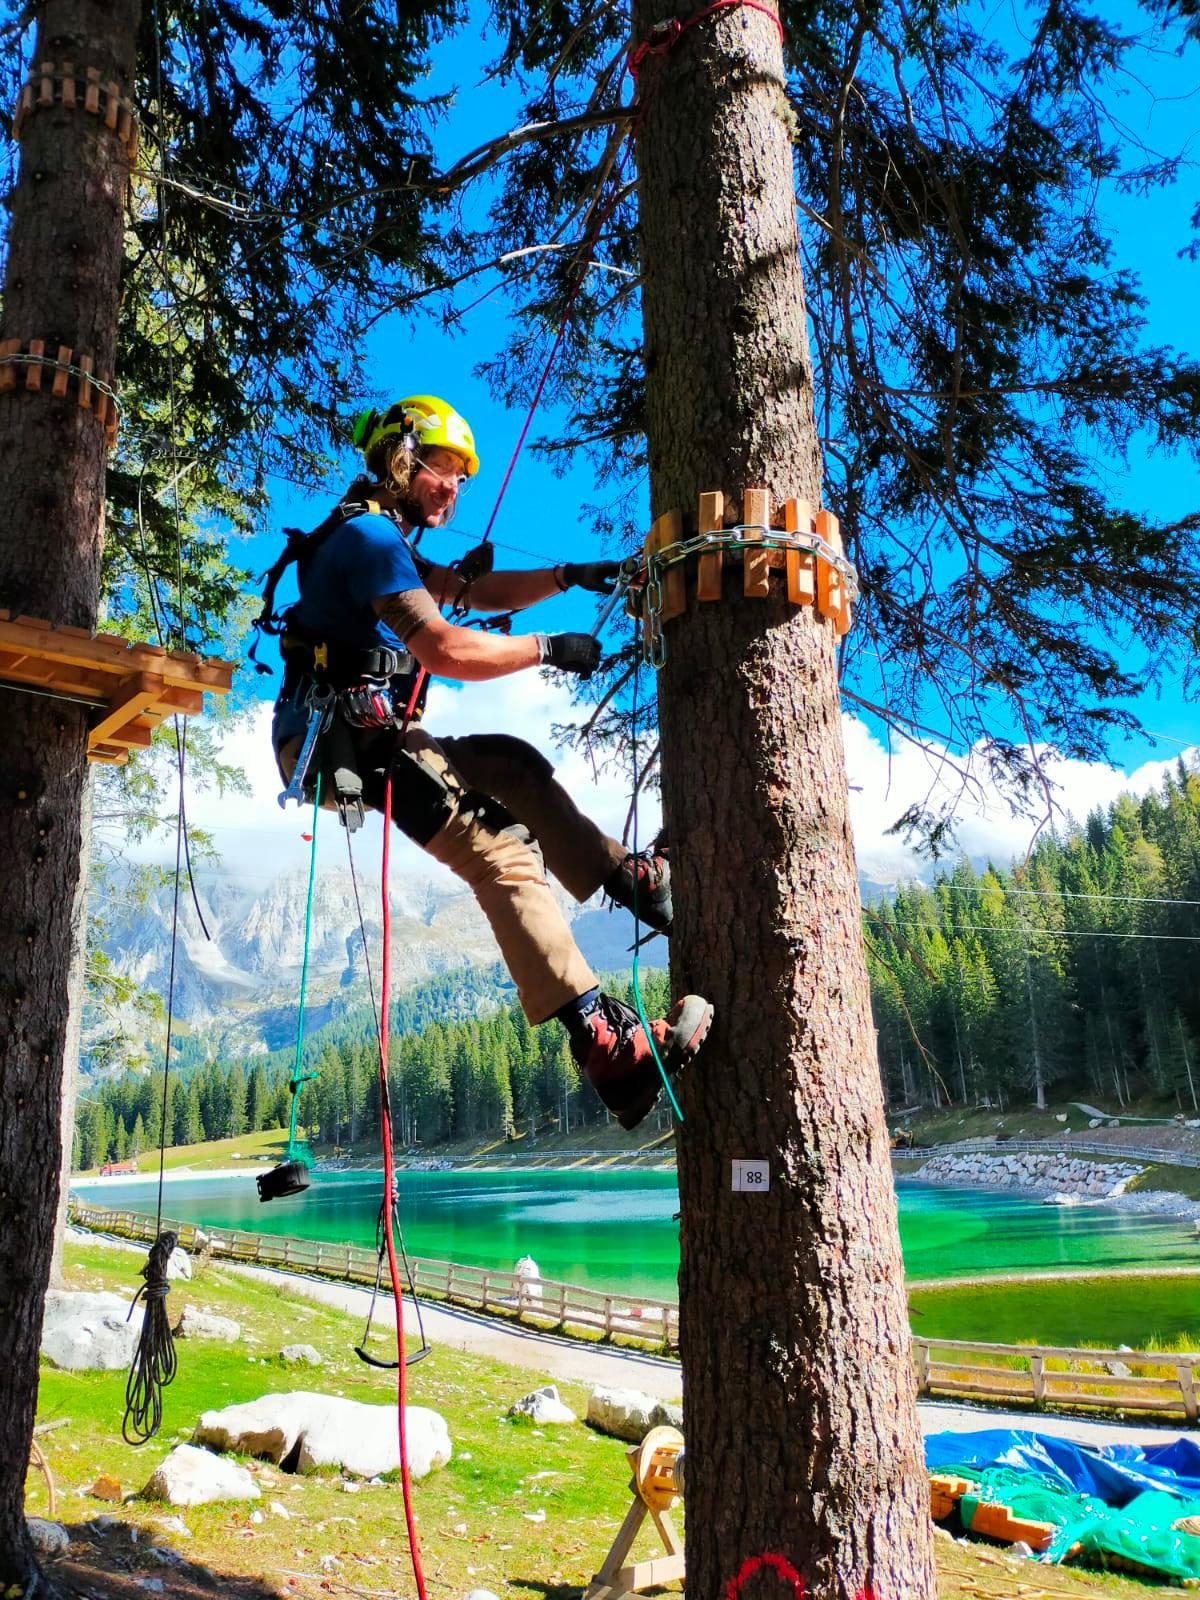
x=1057 y=1177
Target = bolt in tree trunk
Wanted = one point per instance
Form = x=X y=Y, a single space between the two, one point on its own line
x=799 y=1394
x=62 y=287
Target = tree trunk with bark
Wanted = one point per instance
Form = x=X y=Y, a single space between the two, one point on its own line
x=799 y=1394
x=62 y=286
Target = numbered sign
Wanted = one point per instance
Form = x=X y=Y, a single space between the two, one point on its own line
x=751 y=1177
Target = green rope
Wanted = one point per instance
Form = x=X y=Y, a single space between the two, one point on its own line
x=638 y=1002
x=299 y=1079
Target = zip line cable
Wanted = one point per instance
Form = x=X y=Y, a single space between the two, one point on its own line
x=1061 y=894
x=1050 y=933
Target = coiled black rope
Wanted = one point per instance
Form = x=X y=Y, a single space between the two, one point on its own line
x=154 y=1364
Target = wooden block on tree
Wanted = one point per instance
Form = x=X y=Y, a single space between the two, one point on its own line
x=33 y=372
x=8 y=372
x=68 y=85
x=101 y=397
x=710 y=519
x=24 y=107
x=831 y=590
x=756 y=567
x=801 y=568
x=85 y=382
x=61 y=377
x=46 y=86
x=113 y=109
x=668 y=530
x=91 y=95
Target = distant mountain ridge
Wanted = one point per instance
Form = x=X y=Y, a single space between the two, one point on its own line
x=239 y=987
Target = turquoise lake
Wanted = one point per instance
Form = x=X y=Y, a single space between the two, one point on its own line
x=615 y=1229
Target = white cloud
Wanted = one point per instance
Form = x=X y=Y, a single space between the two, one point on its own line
x=886 y=784
x=256 y=839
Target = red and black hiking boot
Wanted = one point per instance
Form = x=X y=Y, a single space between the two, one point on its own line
x=615 y=1057
x=642 y=884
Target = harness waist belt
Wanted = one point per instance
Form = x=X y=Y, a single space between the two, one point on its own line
x=344 y=664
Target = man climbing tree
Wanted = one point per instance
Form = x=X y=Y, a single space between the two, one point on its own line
x=798 y=1386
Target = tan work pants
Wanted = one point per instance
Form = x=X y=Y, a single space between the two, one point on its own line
x=496 y=861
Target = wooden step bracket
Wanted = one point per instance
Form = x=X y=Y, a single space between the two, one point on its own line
x=812 y=580
x=655 y=1465
x=133 y=687
x=60 y=373
x=60 y=83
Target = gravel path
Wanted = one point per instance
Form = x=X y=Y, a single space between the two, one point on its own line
x=546 y=1355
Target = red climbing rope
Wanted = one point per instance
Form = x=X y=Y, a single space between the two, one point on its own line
x=600 y=215
x=389 y=1179
x=664 y=36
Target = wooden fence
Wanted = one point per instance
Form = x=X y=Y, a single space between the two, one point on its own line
x=1040 y=1376
x=541 y=1302
x=1050 y=1376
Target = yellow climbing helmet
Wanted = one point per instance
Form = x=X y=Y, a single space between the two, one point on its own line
x=432 y=423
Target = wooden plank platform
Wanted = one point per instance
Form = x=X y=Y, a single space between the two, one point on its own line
x=133 y=687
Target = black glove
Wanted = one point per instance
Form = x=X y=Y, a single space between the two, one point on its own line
x=570 y=652
x=600 y=577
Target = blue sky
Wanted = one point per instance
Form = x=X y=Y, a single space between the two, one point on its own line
x=540 y=520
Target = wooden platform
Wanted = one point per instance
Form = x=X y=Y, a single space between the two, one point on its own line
x=132 y=687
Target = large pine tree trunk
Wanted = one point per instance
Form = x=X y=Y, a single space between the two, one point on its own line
x=62 y=286
x=799 y=1396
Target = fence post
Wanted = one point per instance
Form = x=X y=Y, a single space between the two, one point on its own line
x=449 y=1280
x=1037 y=1371
x=562 y=1305
x=287 y=1252
x=921 y=1357
x=608 y=1316
x=1187 y=1385
x=483 y=1293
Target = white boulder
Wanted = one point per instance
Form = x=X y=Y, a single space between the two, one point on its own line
x=300 y=1355
x=196 y=1324
x=542 y=1406
x=179 y=1264
x=629 y=1414
x=304 y=1431
x=86 y=1332
x=192 y=1477
x=48 y=1538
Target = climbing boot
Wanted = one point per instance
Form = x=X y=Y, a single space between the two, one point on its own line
x=614 y=1054
x=642 y=884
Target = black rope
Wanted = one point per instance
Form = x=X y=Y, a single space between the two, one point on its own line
x=154 y=1364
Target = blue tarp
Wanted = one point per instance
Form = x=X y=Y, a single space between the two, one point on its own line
x=1114 y=1473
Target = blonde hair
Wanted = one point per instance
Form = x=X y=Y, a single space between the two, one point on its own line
x=391 y=463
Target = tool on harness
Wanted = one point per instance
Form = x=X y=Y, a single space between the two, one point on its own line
x=320 y=713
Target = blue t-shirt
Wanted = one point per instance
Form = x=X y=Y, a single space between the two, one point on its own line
x=365 y=558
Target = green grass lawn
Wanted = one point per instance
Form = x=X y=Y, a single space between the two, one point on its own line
x=480 y=1520
x=1144 y=1312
